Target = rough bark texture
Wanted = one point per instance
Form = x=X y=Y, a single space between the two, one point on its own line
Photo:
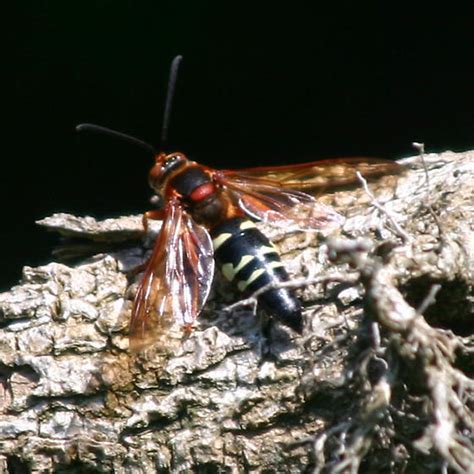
x=381 y=380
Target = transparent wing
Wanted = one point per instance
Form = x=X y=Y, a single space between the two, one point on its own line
x=283 y=195
x=293 y=210
x=177 y=279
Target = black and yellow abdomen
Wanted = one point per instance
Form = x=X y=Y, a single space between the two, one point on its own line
x=247 y=258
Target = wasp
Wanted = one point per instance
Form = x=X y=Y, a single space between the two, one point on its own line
x=209 y=216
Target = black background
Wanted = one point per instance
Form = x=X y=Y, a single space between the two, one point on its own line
x=259 y=85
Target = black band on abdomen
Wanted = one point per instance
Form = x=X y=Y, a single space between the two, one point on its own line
x=247 y=258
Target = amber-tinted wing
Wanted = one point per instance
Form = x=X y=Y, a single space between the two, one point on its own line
x=282 y=195
x=317 y=176
x=177 y=279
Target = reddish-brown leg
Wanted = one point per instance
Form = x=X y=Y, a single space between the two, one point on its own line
x=156 y=214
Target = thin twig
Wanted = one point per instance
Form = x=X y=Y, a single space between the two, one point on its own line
x=421 y=149
x=429 y=299
x=335 y=277
x=381 y=208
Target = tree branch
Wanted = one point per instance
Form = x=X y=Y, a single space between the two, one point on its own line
x=381 y=379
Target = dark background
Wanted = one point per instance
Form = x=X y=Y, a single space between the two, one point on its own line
x=258 y=86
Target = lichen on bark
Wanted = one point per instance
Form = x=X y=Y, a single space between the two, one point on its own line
x=380 y=381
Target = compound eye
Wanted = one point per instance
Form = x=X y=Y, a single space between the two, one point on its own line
x=164 y=168
x=154 y=177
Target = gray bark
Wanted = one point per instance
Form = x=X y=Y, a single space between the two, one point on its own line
x=381 y=380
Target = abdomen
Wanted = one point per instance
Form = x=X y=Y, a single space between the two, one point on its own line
x=247 y=258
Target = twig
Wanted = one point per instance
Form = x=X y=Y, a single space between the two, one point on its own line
x=252 y=299
x=421 y=149
x=401 y=233
x=429 y=299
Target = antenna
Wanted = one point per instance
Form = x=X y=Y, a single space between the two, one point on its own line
x=90 y=127
x=169 y=98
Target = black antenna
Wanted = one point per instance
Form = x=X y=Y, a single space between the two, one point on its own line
x=169 y=98
x=90 y=127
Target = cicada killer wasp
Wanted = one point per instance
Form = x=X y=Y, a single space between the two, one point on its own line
x=208 y=215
